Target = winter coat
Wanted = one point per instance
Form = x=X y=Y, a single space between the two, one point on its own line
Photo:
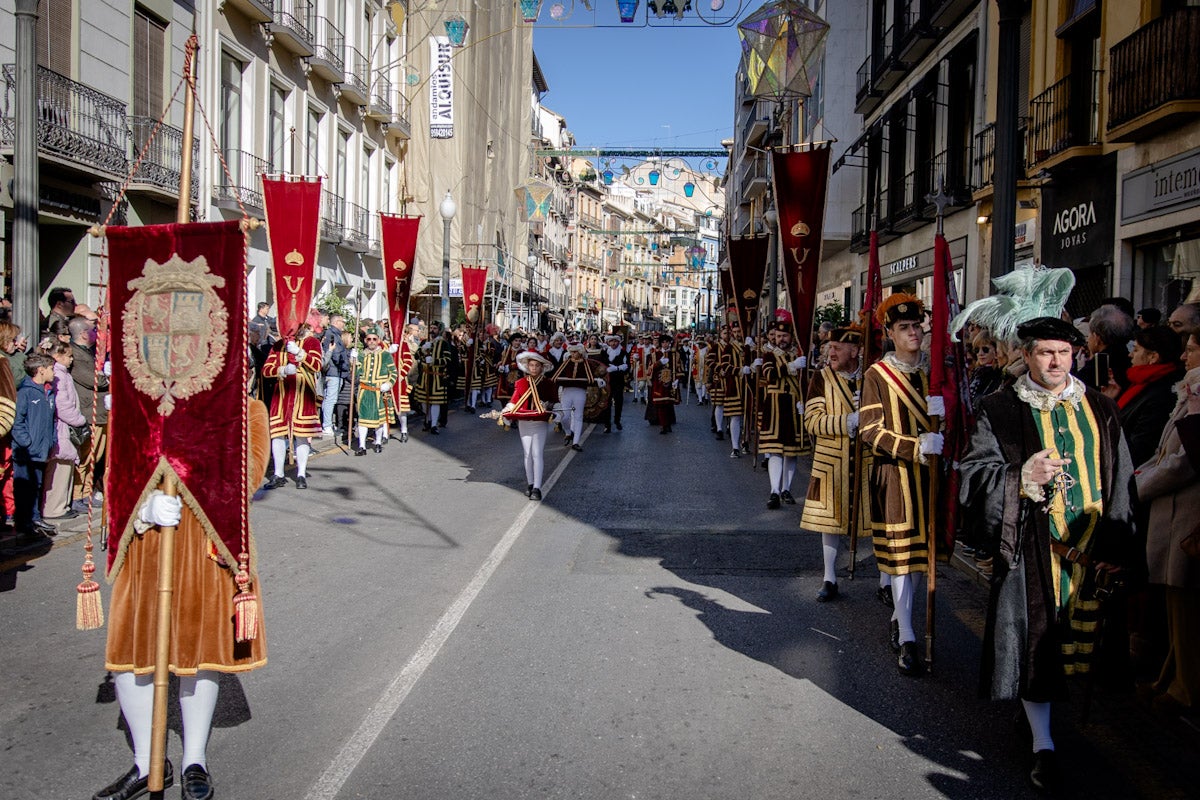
x=33 y=433
x=88 y=385
x=66 y=414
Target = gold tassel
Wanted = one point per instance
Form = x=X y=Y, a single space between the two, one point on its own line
x=245 y=604
x=89 y=610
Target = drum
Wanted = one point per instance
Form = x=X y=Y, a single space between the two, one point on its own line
x=596 y=408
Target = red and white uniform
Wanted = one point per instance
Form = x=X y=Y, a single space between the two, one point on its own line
x=294 y=408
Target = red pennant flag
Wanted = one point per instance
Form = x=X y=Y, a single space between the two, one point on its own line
x=947 y=377
x=747 y=272
x=871 y=301
x=474 y=281
x=399 y=250
x=800 y=180
x=293 y=208
x=177 y=300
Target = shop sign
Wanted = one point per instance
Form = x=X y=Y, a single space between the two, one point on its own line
x=1078 y=218
x=920 y=264
x=441 y=89
x=1026 y=233
x=901 y=265
x=1161 y=187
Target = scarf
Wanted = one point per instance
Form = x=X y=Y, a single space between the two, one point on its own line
x=1140 y=377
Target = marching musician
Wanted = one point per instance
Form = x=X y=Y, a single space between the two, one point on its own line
x=729 y=382
x=640 y=358
x=665 y=374
x=531 y=407
x=376 y=374
x=294 y=365
x=573 y=377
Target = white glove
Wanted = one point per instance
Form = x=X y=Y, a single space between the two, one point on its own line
x=508 y=408
x=428 y=359
x=354 y=354
x=800 y=363
x=502 y=369
x=386 y=386
x=800 y=406
x=664 y=361
x=470 y=342
x=675 y=384
x=600 y=383
x=852 y=424
x=756 y=363
x=108 y=369
x=395 y=348
x=289 y=369
x=611 y=368
x=749 y=341
x=293 y=348
x=426 y=346
x=936 y=404
x=931 y=444
x=161 y=510
x=108 y=402
x=624 y=368
x=745 y=370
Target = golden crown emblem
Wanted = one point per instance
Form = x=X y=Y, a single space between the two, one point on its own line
x=800 y=229
x=399 y=265
x=294 y=259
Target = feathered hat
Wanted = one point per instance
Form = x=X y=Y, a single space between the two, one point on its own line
x=783 y=321
x=898 y=306
x=1020 y=296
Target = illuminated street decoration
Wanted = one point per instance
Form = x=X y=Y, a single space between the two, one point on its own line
x=456 y=30
x=779 y=42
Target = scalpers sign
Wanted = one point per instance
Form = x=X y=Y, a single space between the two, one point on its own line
x=441 y=89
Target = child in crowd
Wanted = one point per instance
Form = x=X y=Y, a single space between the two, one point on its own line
x=33 y=437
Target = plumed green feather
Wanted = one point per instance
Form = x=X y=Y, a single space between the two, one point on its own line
x=1021 y=295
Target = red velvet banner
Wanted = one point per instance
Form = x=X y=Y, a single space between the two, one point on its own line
x=474 y=281
x=399 y=251
x=747 y=272
x=177 y=299
x=293 y=207
x=726 y=278
x=800 y=182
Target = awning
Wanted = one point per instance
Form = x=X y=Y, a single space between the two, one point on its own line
x=1081 y=11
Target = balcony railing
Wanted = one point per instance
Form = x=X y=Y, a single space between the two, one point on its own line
x=356 y=232
x=1065 y=115
x=329 y=47
x=590 y=221
x=985 y=156
x=379 y=105
x=292 y=27
x=1148 y=69
x=162 y=161
x=354 y=84
x=75 y=123
x=242 y=183
x=756 y=125
x=332 y=216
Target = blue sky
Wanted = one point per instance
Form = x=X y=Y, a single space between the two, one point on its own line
x=641 y=87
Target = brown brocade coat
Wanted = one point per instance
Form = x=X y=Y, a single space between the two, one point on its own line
x=202 y=627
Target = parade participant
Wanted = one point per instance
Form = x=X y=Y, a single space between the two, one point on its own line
x=895 y=424
x=664 y=386
x=640 y=358
x=1049 y=471
x=467 y=381
x=556 y=350
x=486 y=359
x=700 y=367
x=831 y=416
x=376 y=374
x=404 y=357
x=617 y=359
x=782 y=401
x=506 y=368
x=573 y=377
x=202 y=634
x=531 y=407
x=592 y=346
x=729 y=383
x=295 y=367
x=433 y=389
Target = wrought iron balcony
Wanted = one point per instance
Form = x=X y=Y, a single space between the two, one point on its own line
x=867 y=98
x=1147 y=88
x=1064 y=116
x=754 y=180
x=291 y=27
x=354 y=83
x=756 y=125
x=328 y=58
x=161 y=160
x=77 y=126
x=985 y=156
x=356 y=231
x=916 y=36
x=379 y=104
x=254 y=10
x=400 y=124
x=238 y=180
x=332 y=215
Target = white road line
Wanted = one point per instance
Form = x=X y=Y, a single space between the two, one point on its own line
x=357 y=746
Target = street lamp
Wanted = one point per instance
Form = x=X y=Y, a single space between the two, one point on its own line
x=447 y=209
x=567 y=301
x=600 y=306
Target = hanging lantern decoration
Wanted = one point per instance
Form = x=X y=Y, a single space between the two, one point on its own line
x=536 y=197
x=558 y=12
x=530 y=9
x=654 y=176
x=627 y=9
x=607 y=175
x=456 y=30
x=781 y=42
x=689 y=189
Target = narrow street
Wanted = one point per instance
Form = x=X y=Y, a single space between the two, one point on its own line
x=648 y=631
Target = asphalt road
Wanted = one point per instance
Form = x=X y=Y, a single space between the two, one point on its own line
x=647 y=631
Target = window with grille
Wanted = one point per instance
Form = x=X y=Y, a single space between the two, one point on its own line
x=149 y=63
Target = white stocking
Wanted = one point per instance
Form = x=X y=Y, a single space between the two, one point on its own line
x=435 y=413
x=830 y=542
x=735 y=431
x=197 y=701
x=903 y=589
x=885 y=580
x=719 y=414
x=362 y=437
x=533 y=443
x=379 y=435
x=279 y=452
x=474 y=401
x=775 y=472
x=135 y=695
x=303 y=448
x=404 y=423
x=789 y=472
x=1039 y=723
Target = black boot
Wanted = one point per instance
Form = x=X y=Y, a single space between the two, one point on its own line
x=909 y=663
x=829 y=591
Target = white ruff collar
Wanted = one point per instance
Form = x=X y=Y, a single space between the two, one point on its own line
x=921 y=366
x=1041 y=399
x=852 y=376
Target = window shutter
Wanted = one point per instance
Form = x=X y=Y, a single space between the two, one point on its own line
x=149 y=40
x=54 y=35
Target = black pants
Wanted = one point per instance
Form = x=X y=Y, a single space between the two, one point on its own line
x=617 y=394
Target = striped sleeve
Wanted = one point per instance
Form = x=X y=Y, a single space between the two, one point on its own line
x=817 y=419
x=877 y=426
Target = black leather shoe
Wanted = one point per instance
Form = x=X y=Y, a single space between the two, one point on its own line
x=720 y=436
x=1044 y=775
x=528 y=489
x=129 y=785
x=787 y=498
x=773 y=501
x=894 y=636
x=378 y=448
x=196 y=783
x=884 y=595
x=577 y=448
x=909 y=662
x=276 y=483
x=362 y=451
x=403 y=438
x=535 y=494
x=735 y=453
x=829 y=591
x=45 y=528
x=607 y=429
x=301 y=482
x=619 y=427
x=434 y=431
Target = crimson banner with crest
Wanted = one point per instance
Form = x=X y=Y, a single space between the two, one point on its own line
x=474 y=280
x=177 y=304
x=747 y=273
x=399 y=250
x=293 y=209
x=801 y=178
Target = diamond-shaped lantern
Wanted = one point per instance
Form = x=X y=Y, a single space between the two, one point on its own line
x=780 y=43
x=530 y=9
x=535 y=198
x=456 y=30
